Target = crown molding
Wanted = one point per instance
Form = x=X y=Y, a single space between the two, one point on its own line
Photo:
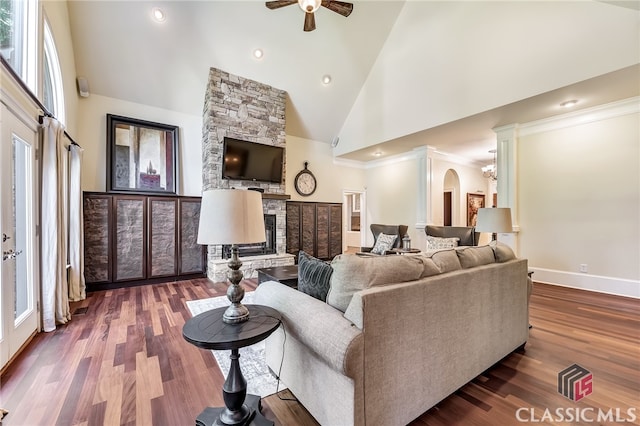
x=584 y=116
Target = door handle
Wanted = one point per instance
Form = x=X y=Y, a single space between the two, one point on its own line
x=10 y=254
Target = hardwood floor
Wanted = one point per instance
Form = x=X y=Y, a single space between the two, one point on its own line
x=122 y=360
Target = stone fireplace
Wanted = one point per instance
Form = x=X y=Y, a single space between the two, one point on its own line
x=244 y=109
x=257 y=249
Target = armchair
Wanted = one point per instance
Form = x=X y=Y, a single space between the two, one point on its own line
x=467 y=234
x=376 y=229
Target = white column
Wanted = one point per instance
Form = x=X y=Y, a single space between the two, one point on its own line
x=424 y=214
x=507 y=144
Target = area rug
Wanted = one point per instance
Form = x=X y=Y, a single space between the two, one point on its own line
x=252 y=358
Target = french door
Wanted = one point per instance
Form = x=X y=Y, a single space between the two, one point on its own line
x=18 y=269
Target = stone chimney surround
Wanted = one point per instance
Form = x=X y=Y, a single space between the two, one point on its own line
x=247 y=110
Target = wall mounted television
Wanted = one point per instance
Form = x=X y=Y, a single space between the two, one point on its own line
x=244 y=160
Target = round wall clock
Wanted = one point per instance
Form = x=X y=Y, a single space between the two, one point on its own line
x=305 y=181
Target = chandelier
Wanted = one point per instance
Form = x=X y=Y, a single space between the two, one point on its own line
x=490 y=171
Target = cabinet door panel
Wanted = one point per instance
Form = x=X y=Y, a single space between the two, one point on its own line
x=335 y=231
x=130 y=247
x=322 y=231
x=97 y=247
x=309 y=228
x=163 y=256
x=191 y=253
x=293 y=228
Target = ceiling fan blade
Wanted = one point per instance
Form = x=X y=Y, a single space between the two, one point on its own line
x=276 y=4
x=341 y=7
x=309 y=22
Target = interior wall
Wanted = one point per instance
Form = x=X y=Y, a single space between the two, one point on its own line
x=392 y=195
x=471 y=181
x=579 y=198
x=92 y=136
x=331 y=178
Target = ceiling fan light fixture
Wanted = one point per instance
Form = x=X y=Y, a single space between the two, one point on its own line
x=309 y=6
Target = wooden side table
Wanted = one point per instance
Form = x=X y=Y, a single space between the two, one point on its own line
x=287 y=275
x=208 y=331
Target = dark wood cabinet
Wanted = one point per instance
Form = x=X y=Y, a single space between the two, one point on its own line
x=315 y=228
x=136 y=239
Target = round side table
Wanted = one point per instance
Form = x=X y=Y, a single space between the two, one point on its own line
x=208 y=331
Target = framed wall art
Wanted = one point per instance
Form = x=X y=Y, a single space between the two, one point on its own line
x=474 y=202
x=141 y=156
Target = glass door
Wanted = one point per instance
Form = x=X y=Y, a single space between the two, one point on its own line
x=18 y=278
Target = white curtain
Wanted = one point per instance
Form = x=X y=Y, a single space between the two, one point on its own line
x=55 y=291
x=77 y=288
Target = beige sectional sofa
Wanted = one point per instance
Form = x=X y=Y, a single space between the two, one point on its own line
x=397 y=334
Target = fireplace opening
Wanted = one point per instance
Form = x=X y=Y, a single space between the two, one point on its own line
x=257 y=249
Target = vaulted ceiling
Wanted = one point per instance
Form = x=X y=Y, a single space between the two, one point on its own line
x=125 y=54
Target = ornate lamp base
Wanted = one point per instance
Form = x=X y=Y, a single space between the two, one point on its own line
x=236 y=312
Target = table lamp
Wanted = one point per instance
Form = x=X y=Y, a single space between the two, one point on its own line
x=232 y=216
x=495 y=220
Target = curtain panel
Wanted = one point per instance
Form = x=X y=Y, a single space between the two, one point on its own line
x=61 y=212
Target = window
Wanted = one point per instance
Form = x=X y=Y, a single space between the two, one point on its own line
x=18 y=29
x=52 y=93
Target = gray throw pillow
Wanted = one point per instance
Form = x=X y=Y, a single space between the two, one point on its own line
x=384 y=242
x=314 y=276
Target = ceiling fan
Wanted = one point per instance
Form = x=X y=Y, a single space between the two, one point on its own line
x=310 y=6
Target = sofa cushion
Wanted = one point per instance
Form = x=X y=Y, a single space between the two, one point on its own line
x=475 y=256
x=502 y=252
x=384 y=242
x=446 y=260
x=429 y=266
x=437 y=243
x=314 y=276
x=352 y=273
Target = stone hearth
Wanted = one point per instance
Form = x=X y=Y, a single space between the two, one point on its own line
x=248 y=110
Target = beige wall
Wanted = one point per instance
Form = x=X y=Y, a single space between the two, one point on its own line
x=392 y=195
x=92 y=135
x=331 y=178
x=471 y=181
x=579 y=198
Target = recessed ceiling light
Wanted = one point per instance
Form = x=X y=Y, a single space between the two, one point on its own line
x=568 y=104
x=158 y=14
x=377 y=153
x=326 y=79
x=258 y=53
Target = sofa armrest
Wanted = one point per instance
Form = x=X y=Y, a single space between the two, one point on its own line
x=317 y=325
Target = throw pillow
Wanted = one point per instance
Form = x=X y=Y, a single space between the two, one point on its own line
x=437 y=243
x=502 y=251
x=384 y=242
x=314 y=276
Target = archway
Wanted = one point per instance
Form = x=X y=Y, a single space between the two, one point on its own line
x=451 y=198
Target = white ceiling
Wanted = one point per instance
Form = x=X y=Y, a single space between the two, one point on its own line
x=124 y=54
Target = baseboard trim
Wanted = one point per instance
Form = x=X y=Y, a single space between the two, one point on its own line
x=600 y=284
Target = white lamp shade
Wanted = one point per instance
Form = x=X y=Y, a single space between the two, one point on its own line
x=231 y=216
x=494 y=220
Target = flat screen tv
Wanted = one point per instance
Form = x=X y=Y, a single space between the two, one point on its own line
x=243 y=160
